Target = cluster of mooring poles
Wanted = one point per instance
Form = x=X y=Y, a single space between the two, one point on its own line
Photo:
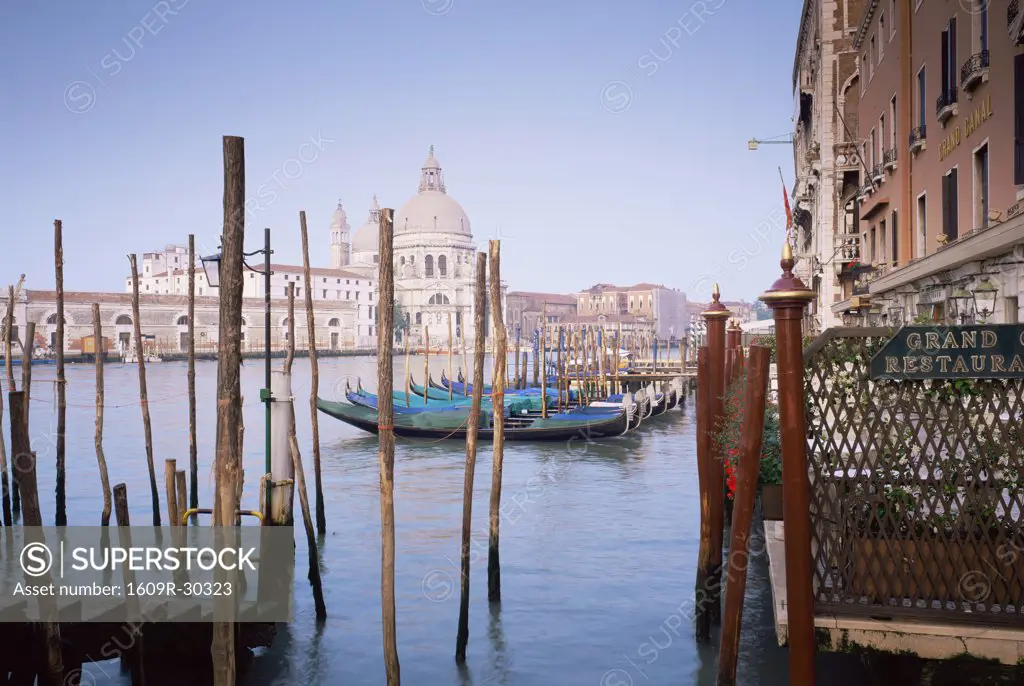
x=55 y=658
x=719 y=362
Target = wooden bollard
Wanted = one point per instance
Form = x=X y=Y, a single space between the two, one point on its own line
x=702 y=616
x=788 y=297
x=101 y=460
x=498 y=404
x=314 y=389
x=193 y=446
x=171 y=489
x=715 y=317
x=61 y=518
x=386 y=444
x=140 y=358
x=743 y=512
x=479 y=353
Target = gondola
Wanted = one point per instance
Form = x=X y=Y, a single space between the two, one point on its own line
x=513 y=404
x=452 y=423
x=462 y=388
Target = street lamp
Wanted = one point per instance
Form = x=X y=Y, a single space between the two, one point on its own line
x=754 y=143
x=211 y=267
x=961 y=303
x=985 y=298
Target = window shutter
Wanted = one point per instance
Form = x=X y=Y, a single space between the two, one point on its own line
x=945 y=62
x=895 y=228
x=952 y=54
x=954 y=209
x=945 y=206
x=1018 y=120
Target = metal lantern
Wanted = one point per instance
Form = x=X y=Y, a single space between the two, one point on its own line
x=211 y=267
x=985 y=298
x=961 y=305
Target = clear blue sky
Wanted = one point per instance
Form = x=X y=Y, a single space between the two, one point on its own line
x=606 y=139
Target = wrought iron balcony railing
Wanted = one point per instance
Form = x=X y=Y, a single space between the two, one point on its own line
x=945 y=104
x=917 y=138
x=878 y=173
x=889 y=159
x=973 y=70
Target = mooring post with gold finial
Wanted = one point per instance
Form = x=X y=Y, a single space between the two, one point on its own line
x=716 y=316
x=788 y=298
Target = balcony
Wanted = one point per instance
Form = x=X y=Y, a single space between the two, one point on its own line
x=865 y=191
x=917 y=139
x=945 y=105
x=878 y=173
x=889 y=160
x=847 y=249
x=974 y=71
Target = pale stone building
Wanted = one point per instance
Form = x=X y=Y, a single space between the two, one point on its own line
x=666 y=308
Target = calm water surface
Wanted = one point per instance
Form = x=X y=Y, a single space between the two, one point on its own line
x=598 y=540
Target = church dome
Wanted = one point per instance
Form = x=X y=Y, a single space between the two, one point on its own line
x=339 y=222
x=367 y=238
x=432 y=210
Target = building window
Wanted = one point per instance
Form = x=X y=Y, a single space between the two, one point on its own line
x=348 y=295
x=871 y=152
x=881 y=36
x=922 y=225
x=882 y=243
x=981 y=205
x=950 y=210
x=442 y=265
x=874 y=255
x=921 y=97
x=873 y=53
x=864 y=72
x=357 y=295
x=1018 y=120
x=324 y=293
x=1012 y=310
x=892 y=19
x=428 y=265
x=948 y=82
x=881 y=137
x=419 y=318
x=979 y=14
x=892 y=123
x=894 y=229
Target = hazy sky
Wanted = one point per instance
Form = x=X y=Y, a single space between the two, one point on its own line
x=607 y=140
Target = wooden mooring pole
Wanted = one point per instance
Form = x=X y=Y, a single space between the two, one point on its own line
x=101 y=460
x=193 y=446
x=788 y=298
x=426 y=361
x=140 y=358
x=498 y=405
x=451 y=354
x=386 y=449
x=702 y=616
x=743 y=512
x=716 y=316
x=479 y=353
x=314 y=390
x=229 y=394
x=61 y=518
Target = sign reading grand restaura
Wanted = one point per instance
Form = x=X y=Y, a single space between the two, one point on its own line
x=993 y=351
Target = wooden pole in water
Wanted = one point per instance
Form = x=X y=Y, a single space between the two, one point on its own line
x=386 y=450
x=101 y=460
x=498 y=405
x=702 y=615
x=426 y=360
x=544 y=360
x=743 y=512
x=170 y=487
x=62 y=398
x=5 y=484
x=472 y=429
x=193 y=445
x=602 y=380
x=24 y=461
x=229 y=394
x=450 y=353
x=314 y=390
x=618 y=347
x=788 y=297
x=465 y=362
x=181 y=490
x=140 y=358
x=716 y=315
x=27 y=349
x=519 y=381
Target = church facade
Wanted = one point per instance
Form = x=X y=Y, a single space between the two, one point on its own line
x=435 y=259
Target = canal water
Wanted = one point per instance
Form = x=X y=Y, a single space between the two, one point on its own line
x=598 y=540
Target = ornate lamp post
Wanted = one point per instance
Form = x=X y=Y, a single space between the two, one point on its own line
x=985 y=298
x=211 y=267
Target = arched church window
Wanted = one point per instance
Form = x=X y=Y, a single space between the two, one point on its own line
x=52 y=319
x=419 y=318
x=458 y=319
x=442 y=265
x=123 y=320
x=401 y=260
x=428 y=265
x=334 y=322
x=183 y=320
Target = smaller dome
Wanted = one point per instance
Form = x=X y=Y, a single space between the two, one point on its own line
x=367 y=237
x=340 y=220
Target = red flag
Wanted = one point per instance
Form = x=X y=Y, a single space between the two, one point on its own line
x=789 y=213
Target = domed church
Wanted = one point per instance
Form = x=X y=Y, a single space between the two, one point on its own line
x=434 y=258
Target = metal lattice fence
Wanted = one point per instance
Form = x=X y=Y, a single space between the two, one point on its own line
x=916 y=488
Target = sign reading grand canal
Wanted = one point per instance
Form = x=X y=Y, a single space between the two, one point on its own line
x=993 y=351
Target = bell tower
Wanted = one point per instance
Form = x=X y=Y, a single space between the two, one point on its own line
x=339 y=238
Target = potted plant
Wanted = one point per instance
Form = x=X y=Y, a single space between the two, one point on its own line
x=770 y=475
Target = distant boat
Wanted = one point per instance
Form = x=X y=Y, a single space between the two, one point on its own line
x=16 y=361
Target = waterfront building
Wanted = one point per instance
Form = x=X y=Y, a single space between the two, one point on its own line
x=940 y=111
x=525 y=310
x=825 y=148
x=164 y=322
x=665 y=308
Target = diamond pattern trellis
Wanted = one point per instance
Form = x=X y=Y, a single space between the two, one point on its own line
x=917 y=489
